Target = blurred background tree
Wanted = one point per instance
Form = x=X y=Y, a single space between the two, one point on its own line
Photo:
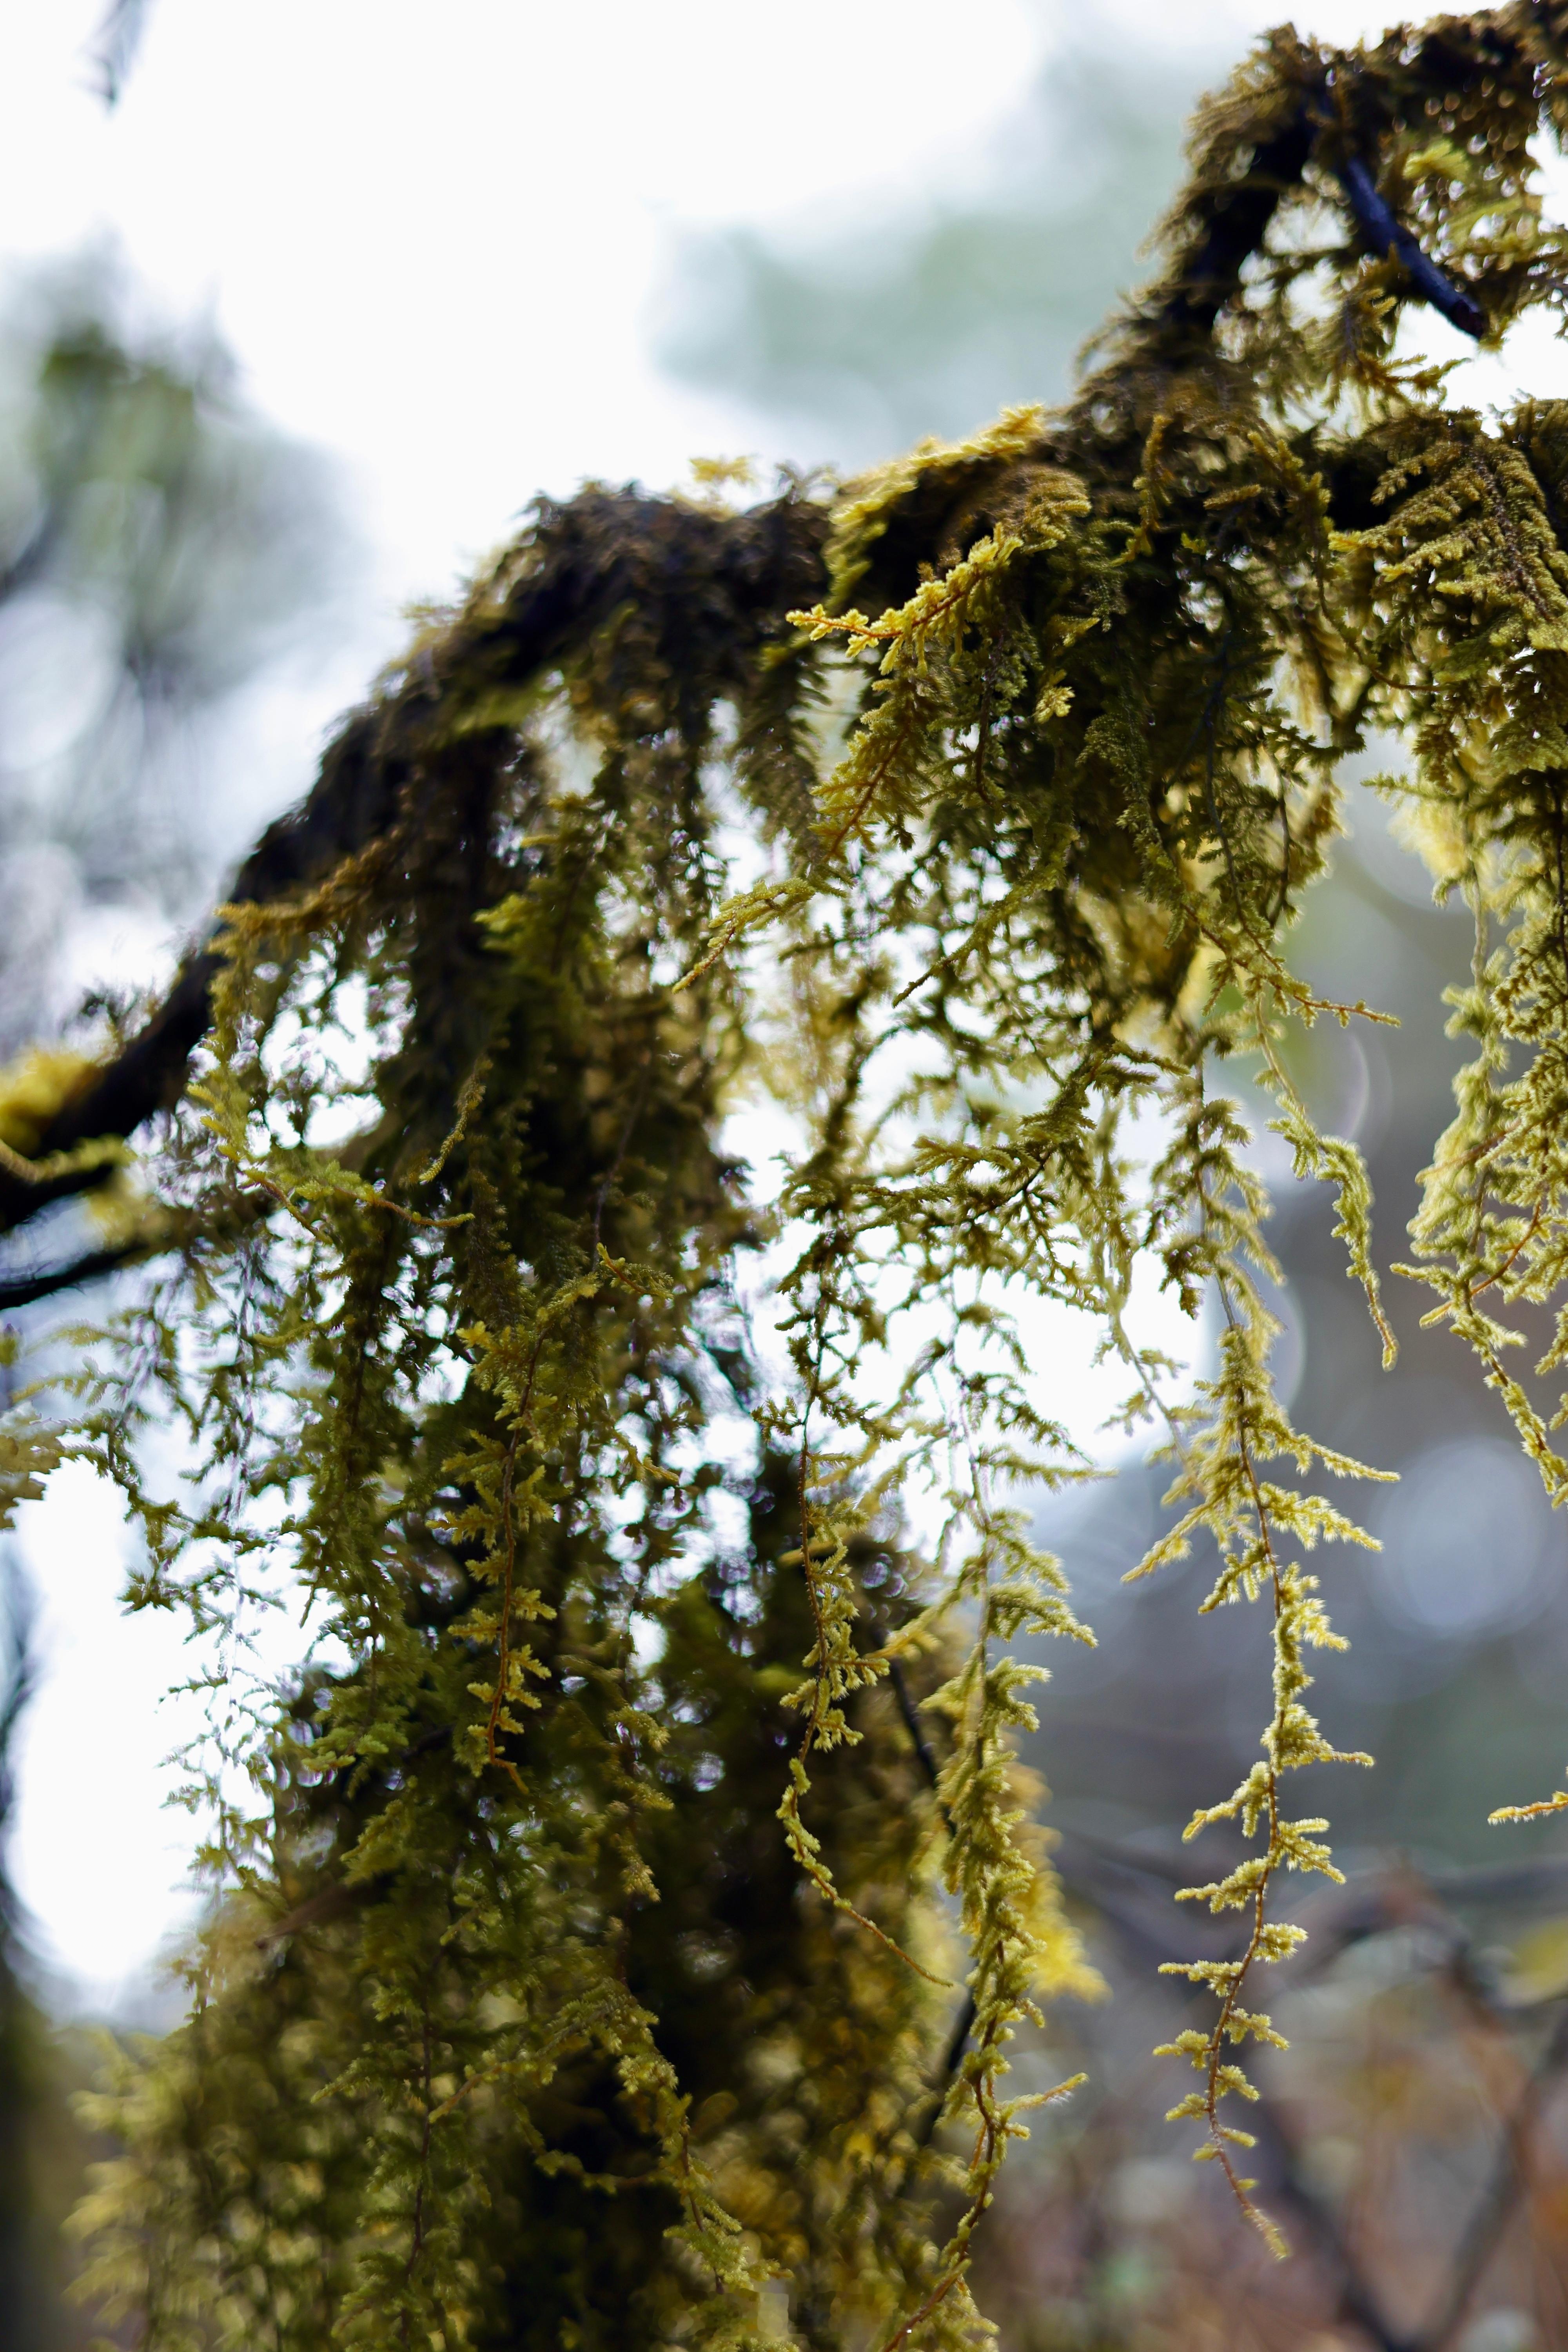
x=116 y=43
x=162 y=551
x=856 y=337
x=160 y=548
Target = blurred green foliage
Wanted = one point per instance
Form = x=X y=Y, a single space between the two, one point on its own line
x=859 y=335
x=160 y=548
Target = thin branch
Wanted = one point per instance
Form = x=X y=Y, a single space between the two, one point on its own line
x=115 y=46
x=1510 y=2180
x=916 y=1731
x=24 y=1290
x=963 y=2024
x=1388 y=236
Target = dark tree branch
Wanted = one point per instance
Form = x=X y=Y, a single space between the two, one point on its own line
x=963 y=2023
x=676 y=566
x=1211 y=279
x=1509 y=2180
x=1240 y=221
x=1384 y=235
x=24 y=1290
x=680 y=567
x=916 y=1731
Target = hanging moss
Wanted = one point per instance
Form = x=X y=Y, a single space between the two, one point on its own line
x=588 y=1955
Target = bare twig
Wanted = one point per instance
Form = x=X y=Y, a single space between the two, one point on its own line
x=1510 y=2182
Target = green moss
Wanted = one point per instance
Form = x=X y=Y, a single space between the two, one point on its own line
x=583 y=1960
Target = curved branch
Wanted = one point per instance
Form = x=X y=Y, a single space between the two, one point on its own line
x=1386 y=235
x=1238 y=222
x=680 y=567
x=26 y=1290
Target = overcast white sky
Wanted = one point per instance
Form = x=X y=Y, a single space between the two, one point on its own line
x=431 y=233
x=433 y=236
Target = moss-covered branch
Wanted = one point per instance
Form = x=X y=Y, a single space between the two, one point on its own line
x=560 y=1989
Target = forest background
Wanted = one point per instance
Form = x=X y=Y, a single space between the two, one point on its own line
x=314 y=217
